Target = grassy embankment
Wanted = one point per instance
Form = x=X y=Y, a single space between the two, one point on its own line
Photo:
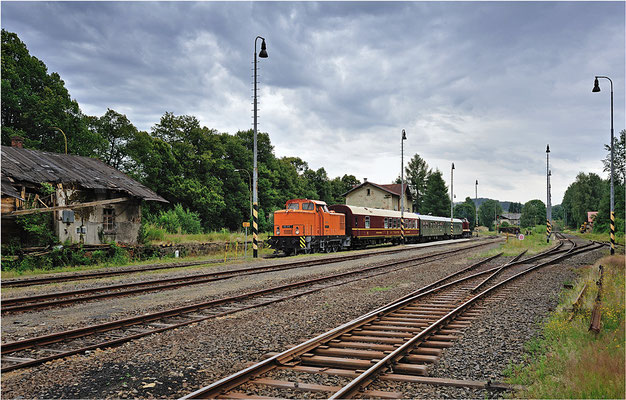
x=600 y=237
x=534 y=243
x=569 y=361
x=235 y=251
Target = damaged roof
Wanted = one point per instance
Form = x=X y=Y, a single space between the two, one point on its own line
x=34 y=166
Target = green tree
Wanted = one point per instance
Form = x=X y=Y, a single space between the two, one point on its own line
x=416 y=175
x=602 y=220
x=34 y=102
x=557 y=212
x=465 y=210
x=582 y=196
x=619 y=158
x=488 y=211
x=533 y=213
x=515 y=208
x=117 y=131
x=436 y=198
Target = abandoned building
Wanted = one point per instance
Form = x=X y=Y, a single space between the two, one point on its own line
x=90 y=201
x=372 y=195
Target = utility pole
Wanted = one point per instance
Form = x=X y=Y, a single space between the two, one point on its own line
x=402 y=186
x=255 y=173
x=548 y=202
x=476 y=204
x=452 y=200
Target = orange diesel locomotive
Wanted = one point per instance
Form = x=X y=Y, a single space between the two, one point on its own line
x=308 y=226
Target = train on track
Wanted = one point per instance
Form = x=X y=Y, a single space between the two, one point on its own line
x=311 y=226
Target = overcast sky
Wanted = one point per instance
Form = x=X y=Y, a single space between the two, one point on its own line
x=485 y=85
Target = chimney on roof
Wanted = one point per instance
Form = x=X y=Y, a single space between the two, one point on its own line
x=17 y=141
x=364 y=179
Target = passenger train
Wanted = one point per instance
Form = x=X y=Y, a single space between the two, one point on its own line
x=310 y=226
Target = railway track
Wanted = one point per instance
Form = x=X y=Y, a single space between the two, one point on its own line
x=37 y=350
x=155 y=267
x=34 y=302
x=396 y=342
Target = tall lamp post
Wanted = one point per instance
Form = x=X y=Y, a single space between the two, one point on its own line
x=250 y=192
x=255 y=173
x=476 y=204
x=452 y=200
x=64 y=137
x=402 y=186
x=596 y=88
x=548 y=199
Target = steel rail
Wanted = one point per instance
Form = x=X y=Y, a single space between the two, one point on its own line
x=101 y=274
x=236 y=379
x=12 y=347
x=230 y=382
x=69 y=297
x=358 y=383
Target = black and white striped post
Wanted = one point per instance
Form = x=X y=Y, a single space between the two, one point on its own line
x=402 y=186
x=596 y=88
x=452 y=200
x=548 y=198
x=255 y=200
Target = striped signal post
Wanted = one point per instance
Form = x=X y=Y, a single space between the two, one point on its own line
x=402 y=186
x=548 y=197
x=596 y=88
x=255 y=205
x=452 y=200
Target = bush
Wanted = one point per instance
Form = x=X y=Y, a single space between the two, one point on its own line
x=179 y=220
x=152 y=232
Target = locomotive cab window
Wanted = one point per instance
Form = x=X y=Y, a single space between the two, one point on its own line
x=367 y=222
x=294 y=206
x=386 y=223
x=308 y=206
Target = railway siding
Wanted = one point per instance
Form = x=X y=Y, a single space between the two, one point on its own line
x=177 y=365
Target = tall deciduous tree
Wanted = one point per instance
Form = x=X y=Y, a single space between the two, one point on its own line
x=35 y=102
x=533 y=213
x=117 y=131
x=488 y=211
x=515 y=208
x=436 y=198
x=582 y=196
x=619 y=158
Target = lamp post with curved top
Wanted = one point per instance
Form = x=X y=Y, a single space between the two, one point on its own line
x=255 y=173
x=596 y=88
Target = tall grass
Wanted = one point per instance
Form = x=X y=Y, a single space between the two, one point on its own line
x=568 y=361
x=223 y=236
x=533 y=243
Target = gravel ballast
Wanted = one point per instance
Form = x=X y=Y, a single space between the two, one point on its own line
x=176 y=362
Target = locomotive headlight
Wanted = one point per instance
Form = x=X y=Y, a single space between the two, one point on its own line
x=277 y=230
x=297 y=231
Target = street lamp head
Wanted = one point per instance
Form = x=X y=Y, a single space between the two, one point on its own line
x=263 y=52
x=452 y=165
x=596 y=86
x=477 y=181
x=547 y=148
x=403 y=135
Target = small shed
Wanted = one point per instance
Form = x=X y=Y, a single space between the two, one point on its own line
x=90 y=201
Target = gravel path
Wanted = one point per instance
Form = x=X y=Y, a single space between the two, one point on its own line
x=174 y=363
